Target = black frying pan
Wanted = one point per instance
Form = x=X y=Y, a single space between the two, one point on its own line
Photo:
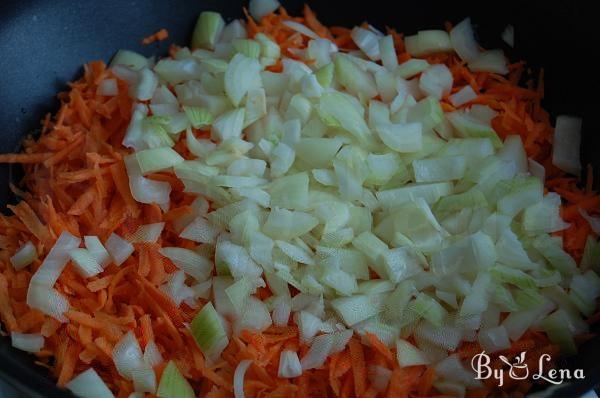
x=44 y=43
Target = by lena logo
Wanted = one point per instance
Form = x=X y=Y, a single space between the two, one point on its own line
x=519 y=370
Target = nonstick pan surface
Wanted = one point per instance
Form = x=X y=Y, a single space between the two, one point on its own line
x=44 y=43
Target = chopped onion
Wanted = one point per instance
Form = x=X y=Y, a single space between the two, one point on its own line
x=108 y=88
x=208 y=29
x=436 y=81
x=409 y=355
x=209 y=333
x=88 y=384
x=490 y=61
x=152 y=355
x=27 y=342
x=463 y=96
x=463 y=40
x=368 y=42
x=427 y=42
x=24 y=256
x=190 y=262
x=118 y=248
x=47 y=300
x=85 y=263
x=97 y=250
x=56 y=260
x=128 y=356
x=238 y=377
x=173 y=384
x=565 y=148
x=508 y=35
x=300 y=28
x=260 y=8
x=130 y=59
x=289 y=365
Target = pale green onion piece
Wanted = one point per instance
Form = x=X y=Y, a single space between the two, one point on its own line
x=337 y=110
x=492 y=61
x=513 y=276
x=591 y=254
x=355 y=80
x=469 y=127
x=24 y=256
x=173 y=384
x=411 y=68
x=544 y=216
x=556 y=326
x=324 y=75
x=118 y=248
x=158 y=159
x=198 y=117
x=88 y=384
x=555 y=255
x=130 y=59
x=427 y=42
x=145 y=190
x=208 y=29
x=239 y=292
x=208 y=332
x=250 y=48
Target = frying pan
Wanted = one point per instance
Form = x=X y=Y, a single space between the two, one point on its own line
x=44 y=43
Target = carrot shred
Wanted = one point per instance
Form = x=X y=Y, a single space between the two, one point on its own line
x=160 y=35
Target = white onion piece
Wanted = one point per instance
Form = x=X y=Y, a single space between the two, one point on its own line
x=565 y=148
x=260 y=8
x=462 y=38
x=27 y=342
x=108 y=87
x=300 y=28
x=238 y=378
x=89 y=385
x=289 y=365
x=464 y=95
x=56 y=260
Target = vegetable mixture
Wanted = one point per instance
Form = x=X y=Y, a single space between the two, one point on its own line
x=285 y=209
